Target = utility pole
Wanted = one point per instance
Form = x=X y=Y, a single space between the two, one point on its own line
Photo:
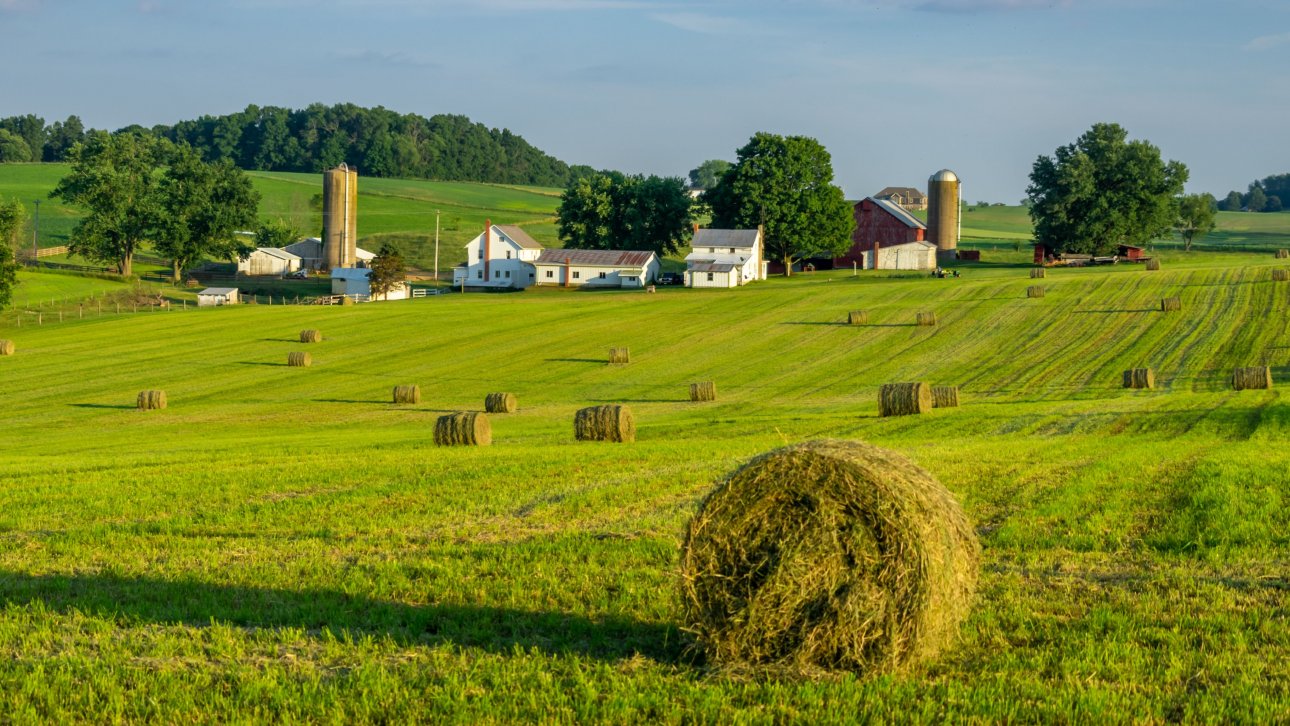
x=436 y=249
x=35 y=232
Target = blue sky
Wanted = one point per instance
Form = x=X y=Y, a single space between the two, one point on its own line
x=895 y=89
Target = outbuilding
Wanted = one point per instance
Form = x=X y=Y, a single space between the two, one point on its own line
x=269 y=261
x=356 y=282
x=216 y=296
x=596 y=268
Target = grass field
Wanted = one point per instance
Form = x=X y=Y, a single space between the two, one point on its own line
x=284 y=544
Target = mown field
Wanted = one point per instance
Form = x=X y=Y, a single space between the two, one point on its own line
x=284 y=544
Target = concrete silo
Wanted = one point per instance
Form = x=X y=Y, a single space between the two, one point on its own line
x=340 y=216
x=943 y=212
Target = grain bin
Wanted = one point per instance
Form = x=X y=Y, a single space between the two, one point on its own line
x=340 y=216
x=943 y=211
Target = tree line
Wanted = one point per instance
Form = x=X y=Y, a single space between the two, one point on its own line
x=1269 y=194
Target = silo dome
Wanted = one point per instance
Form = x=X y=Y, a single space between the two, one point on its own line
x=944 y=175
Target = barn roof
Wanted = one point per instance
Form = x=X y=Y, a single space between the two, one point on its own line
x=898 y=212
x=220 y=291
x=519 y=236
x=724 y=238
x=713 y=267
x=595 y=258
x=279 y=253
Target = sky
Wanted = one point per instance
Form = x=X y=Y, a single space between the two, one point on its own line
x=894 y=89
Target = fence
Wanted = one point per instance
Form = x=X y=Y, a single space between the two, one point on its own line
x=43 y=252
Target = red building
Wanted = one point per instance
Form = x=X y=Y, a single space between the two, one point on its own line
x=880 y=223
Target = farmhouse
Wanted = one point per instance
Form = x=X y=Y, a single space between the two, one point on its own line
x=214 y=296
x=268 y=261
x=724 y=258
x=355 y=282
x=596 y=268
x=907 y=197
x=887 y=237
x=505 y=257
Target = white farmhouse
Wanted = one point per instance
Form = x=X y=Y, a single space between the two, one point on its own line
x=355 y=282
x=268 y=261
x=596 y=268
x=724 y=258
x=501 y=257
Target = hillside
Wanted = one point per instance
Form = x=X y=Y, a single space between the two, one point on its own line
x=284 y=543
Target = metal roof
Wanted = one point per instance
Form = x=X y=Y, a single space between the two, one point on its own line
x=898 y=212
x=279 y=253
x=724 y=238
x=944 y=175
x=595 y=258
x=519 y=236
x=221 y=291
x=713 y=267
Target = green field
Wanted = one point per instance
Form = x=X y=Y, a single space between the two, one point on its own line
x=284 y=544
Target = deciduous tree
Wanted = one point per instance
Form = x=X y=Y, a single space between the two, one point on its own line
x=199 y=208
x=13 y=147
x=611 y=211
x=12 y=222
x=707 y=174
x=1256 y=200
x=1195 y=218
x=387 y=271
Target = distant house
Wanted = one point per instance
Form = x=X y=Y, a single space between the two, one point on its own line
x=215 y=296
x=724 y=258
x=500 y=258
x=596 y=268
x=269 y=261
x=907 y=197
x=356 y=282
x=887 y=237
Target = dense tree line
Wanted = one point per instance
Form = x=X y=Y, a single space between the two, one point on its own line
x=1269 y=194
x=377 y=141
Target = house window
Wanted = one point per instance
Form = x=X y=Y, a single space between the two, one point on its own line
x=732 y=250
x=709 y=277
x=530 y=275
x=712 y=249
x=508 y=254
x=481 y=253
x=577 y=275
x=479 y=274
x=508 y=274
x=550 y=273
x=602 y=275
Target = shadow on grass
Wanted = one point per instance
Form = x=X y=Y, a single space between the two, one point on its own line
x=849 y=325
x=601 y=361
x=198 y=604
x=282 y=340
x=121 y=407
x=1113 y=312
x=640 y=400
x=261 y=363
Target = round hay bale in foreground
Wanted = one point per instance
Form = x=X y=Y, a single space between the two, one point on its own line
x=1140 y=378
x=298 y=359
x=605 y=423
x=945 y=396
x=1035 y=291
x=1252 y=377
x=407 y=394
x=311 y=336
x=500 y=403
x=1170 y=304
x=1038 y=273
x=6 y=347
x=619 y=356
x=1280 y=275
x=828 y=556
x=464 y=428
x=926 y=319
x=1153 y=264
x=904 y=399
x=703 y=391
x=151 y=400
x=858 y=317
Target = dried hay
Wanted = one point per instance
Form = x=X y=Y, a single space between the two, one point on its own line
x=1038 y=273
x=311 y=336
x=604 y=423
x=1140 y=378
x=945 y=396
x=904 y=399
x=6 y=347
x=1170 y=305
x=1253 y=377
x=1035 y=291
x=464 y=428
x=703 y=391
x=1283 y=254
x=297 y=359
x=619 y=356
x=828 y=556
x=858 y=317
x=407 y=394
x=151 y=400
x=1153 y=264
x=1280 y=275
x=926 y=319
x=500 y=403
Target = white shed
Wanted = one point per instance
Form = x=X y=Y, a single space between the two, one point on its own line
x=354 y=282
x=213 y=296
x=269 y=261
x=908 y=256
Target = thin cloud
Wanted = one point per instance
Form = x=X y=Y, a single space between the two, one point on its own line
x=707 y=24
x=971 y=6
x=1268 y=42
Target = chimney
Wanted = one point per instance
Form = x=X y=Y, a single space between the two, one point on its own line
x=875 y=254
x=488 y=245
x=696 y=227
x=568 y=271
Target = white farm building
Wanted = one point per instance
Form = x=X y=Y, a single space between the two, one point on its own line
x=355 y=282
x=216 y=296
x=596 y=268
x=505 y=257
x=724 y=258
x=268 y=261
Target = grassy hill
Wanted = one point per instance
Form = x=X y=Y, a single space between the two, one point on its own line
x=284 y=544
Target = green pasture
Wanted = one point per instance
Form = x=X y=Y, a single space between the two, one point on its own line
x=284 y=544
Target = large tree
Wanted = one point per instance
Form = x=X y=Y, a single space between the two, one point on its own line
x=611 y=211
x=199 y=208
x=707 y=174
x=113 y=178
x=786 y=185
x=388 y=272
x=1232 y=203
x=1103 y=191
x=13 y=147
x=13 y=219
x=1257 y=199
x=1195 y=218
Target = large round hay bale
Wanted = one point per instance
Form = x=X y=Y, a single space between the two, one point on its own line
x=703 y=391
x=619 y=356
x=828 y=556
x=1280 y=275
x=151 y=400
x=1153 y=264
x=1037 y=273
x=604 y=423
x=1283 y=254
x=1035 y=291
x=926 y=319
x=6 y=347
x=858 y=317
x=1170 y=304
x=945 y=396
x=1140 y=378
x=464 y=428
x=407 y=394
x=298 y=359
x=1252 y=377
x=311 y=336
x=500 y=403
x=904 y=399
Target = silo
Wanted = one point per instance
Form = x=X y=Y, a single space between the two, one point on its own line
x=943 y=211
x=340 y=216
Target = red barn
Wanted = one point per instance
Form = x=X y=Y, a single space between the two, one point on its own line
x=883 y=224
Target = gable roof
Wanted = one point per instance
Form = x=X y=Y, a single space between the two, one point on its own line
x=898 y=212
x=713 y=267
x=221 y=291
x=279 y=253
x=519 y=236
x=902 y=191
x=724 y=238
x=595 y=258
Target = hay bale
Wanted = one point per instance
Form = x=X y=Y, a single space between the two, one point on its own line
x=703 y=391
x=926 y=319
x=1283 y=254
x=297 y=359
x=1140 y=378
x=1253 y=377
x=945 y=396
x=6 y=347
x=1035 y=291
x=500 y=403
x=1280 y=275
x=1038 y=273
x=464 y=428
x=407 y=394
x=1170 y=304
x=151 y=400
x=604 y=423
x=858 y=317
x=904 y=399
x=1153 y=264
x=619 y=356
x=311 y=336
x=828 y=556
